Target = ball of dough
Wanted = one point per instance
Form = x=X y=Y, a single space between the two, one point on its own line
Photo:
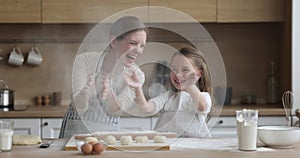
x=141 y=139
x=110 y=140
x=159 y=139
x=126 y=140
x=90 y=139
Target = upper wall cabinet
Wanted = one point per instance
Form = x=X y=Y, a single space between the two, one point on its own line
x=251 y=10
x=200 y=10
x=20 y=11
x=84 y=11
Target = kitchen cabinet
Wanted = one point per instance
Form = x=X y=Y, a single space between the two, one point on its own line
x=27 y=126
x=153 y=122
x=50 y=127
x=93 y=11
x=135 y=123
x=20 y=11
x=88 y=11
x=42 y=127
x=200 y=10
x=221 y=127
x=251 y=10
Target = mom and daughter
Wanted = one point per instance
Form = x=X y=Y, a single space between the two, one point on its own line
x=182 y=109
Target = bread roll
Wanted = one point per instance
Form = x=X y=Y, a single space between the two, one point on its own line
x=159 y=139
x=126 y=140
x=141 y=139
x=110 y=140
x=90 y=139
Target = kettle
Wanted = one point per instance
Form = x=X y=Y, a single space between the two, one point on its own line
x=6 y=96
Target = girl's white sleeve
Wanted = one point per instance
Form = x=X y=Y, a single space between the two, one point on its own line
x=208 y=101
x=160 y=101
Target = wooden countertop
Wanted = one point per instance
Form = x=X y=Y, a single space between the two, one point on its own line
x=32 y=111
x=264 y=110
x=59 y=111
x=56 y=150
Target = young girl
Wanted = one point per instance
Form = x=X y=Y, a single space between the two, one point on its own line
x=184 y=109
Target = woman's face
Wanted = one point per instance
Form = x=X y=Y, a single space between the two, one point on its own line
x=130 y=47
x=183 y=73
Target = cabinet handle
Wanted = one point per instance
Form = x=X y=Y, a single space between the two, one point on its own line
x=220 y=122
x=46 y=124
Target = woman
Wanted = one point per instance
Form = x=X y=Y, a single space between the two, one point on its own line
x=100 y=93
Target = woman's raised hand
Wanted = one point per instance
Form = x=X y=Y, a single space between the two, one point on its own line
x=132 y=80
x=105 y=88
x=87 y=89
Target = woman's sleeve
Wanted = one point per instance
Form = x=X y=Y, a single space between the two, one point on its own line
x=84 y=65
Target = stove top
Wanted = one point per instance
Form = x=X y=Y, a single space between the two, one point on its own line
x=14 y=108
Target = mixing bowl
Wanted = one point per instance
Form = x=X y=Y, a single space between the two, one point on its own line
x=279 y=136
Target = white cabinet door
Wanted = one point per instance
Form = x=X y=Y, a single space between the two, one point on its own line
x=135 y=123
x=271 y=120
x=153 y=122
x=226 y=126
x=27 y=126
x=222 y=127
x=51 y=127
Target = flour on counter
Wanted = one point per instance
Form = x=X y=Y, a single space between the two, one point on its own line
x=220 y=144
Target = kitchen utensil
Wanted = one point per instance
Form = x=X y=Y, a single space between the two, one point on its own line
x=6 y=96
x=56 y=98
x=279 y=136
x=1 y=57
x=249 y=100
x=288 y=101
x=46 y=145
x=16 y=57
x=34 y=57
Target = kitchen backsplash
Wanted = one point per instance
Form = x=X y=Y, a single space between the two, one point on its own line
x=247 y=50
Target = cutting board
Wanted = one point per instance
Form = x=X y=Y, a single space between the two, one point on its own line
x=150 y=145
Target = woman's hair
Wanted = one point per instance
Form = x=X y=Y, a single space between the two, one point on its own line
x=126 y=25
x=204 y=83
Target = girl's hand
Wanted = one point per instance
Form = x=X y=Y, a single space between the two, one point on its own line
x=132 y=80
x=191 y=81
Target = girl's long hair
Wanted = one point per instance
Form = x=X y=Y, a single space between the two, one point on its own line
x=204 y=83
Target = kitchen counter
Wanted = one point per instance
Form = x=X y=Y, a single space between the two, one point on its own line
x=59 y=111
x=32 y=111
x=56 y=150
x=264 y=110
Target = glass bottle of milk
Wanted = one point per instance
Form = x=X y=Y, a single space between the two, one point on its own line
x=247 y=129
x=6 y=133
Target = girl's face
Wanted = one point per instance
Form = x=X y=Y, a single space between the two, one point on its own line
x=130 y=47
x=183 y=72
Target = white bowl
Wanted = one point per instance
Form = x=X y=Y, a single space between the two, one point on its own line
x=279 y=136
